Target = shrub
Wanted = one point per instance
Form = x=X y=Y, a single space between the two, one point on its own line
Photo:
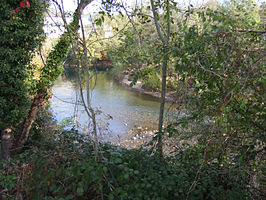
x=65 y=167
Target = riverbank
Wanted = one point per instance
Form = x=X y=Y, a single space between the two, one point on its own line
x=125 y=82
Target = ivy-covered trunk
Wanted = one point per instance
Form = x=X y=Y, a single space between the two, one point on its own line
x=36 y=104
x=49 y=74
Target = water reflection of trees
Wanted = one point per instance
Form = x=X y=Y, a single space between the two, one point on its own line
x=70 y=73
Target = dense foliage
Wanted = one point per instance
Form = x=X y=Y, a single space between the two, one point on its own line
x=54 y=167
x=217 y=71
x=222 y=66
x=21 y=33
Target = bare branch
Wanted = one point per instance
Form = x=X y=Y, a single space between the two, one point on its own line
x=250 y=31
x=157 y=24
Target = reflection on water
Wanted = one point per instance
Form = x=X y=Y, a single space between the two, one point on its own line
x=129 y=109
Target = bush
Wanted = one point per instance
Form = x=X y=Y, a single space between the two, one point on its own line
x=150 y=79
x=69 y=169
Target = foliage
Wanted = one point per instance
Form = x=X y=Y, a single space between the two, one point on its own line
x=52 y=69
x=36 y=81
x=63 y=166
x=20 y=34
x=217 y=60
x=225 y=73
x=150 y=79
x=133 y=44
x=221 y=64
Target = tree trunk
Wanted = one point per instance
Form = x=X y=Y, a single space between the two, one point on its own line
x=36 y=104
x=161 y=115
x=92 y=116
x=6 y=143
x=165 y=41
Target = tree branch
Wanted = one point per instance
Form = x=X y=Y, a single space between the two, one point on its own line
x=157 y=24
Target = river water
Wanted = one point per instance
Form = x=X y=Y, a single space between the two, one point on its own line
x=120 y=109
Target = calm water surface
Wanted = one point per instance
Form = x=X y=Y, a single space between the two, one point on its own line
x=128 y=109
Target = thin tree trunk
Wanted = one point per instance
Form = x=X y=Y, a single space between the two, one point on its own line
x=88 y=86
x=165 y=41
x=162 y=103
x=6 y=137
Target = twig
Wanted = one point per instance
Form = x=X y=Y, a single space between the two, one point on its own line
x=250 y=31
x=212 y=72
x=193 y=185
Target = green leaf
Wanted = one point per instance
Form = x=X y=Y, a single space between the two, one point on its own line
x=80 y=191
x=118 y=160
x=111 y=197
x=126 y=176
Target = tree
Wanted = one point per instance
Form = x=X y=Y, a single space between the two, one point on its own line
x=22 y=95
x=221 y=60
x=165 y=41
x=50 y=72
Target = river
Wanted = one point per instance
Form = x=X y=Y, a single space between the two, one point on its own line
x=128 y=109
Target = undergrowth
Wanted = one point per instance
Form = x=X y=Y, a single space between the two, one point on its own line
x=69 y=170
x=61 y=164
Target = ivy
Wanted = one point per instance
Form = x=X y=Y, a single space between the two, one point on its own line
x=53 y=67
x=20 y=36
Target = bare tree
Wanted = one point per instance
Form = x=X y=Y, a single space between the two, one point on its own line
x=81 y=54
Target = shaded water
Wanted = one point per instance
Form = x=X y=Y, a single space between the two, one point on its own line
x=128 y=109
